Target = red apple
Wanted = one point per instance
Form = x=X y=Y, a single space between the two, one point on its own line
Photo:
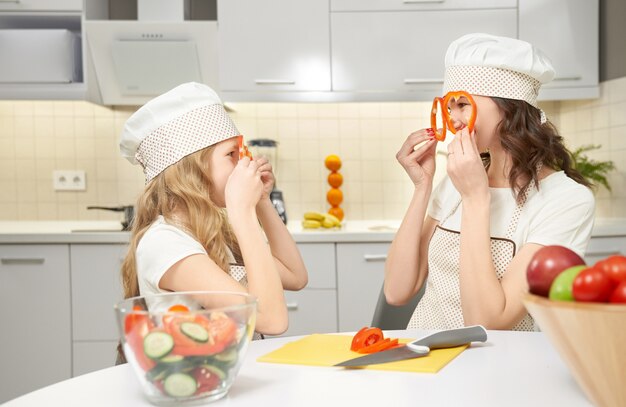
x=546 y=264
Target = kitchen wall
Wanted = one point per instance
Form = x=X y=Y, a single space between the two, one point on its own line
x=37 y=137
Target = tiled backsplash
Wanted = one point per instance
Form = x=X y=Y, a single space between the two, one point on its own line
x=37 y=137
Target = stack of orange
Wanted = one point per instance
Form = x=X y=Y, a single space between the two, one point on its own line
x=335 y=179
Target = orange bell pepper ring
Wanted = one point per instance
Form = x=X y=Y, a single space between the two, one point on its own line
x=438 y=105
x=366 y=337
x=454 y=97
x=243 y=149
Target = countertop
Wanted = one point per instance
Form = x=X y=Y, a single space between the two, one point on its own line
x=110 y=231
x=510 y=369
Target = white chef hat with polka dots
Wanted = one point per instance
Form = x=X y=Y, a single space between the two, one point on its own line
x=173 y=125
x=488 y=65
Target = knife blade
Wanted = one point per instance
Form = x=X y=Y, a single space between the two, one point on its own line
x=421 y=347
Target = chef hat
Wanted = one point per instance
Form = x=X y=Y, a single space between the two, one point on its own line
x=173 y=125
x=487 y=65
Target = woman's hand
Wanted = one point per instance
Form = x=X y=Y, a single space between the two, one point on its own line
x=267 y=175
x=465 y=167
x=244 y=187
x=419 y=163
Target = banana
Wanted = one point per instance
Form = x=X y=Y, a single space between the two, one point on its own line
x=333 y=218
x=314 y=216
x=311 y=224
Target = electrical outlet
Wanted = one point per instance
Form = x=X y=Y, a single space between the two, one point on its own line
x=69 y=180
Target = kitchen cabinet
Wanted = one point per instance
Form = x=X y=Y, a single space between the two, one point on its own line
x=314 y=308
x=568 y=32
x=35 y=313
x=96 y=287
x=408 y=47
x=601 y=247
x=360 y=275
x=274 y=45
x=41 y=5
x=401 y=5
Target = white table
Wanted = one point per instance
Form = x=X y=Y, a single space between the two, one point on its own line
x=510 y=369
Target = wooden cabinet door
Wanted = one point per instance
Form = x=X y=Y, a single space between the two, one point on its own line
x=35 y=315
x=360 y=275
x=274 y=45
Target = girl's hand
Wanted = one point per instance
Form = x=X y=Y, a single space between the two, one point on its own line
x=267 y=176
x=419 y=163
x=244 y=187
x=465 y=167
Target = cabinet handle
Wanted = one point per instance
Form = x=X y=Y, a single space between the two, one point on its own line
x=603 y=254
x=421 y=1
x=10 y=261
x=292 y=306
x=421 y=81
x=568 y=78
x=375 y=257
x=274 y=82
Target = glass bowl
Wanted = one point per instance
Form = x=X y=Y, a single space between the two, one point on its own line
x=591 y=339
x=186 y=347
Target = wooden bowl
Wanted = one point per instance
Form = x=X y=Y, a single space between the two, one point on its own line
x=591 y=339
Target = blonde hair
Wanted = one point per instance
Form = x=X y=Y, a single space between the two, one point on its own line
x=183 y=188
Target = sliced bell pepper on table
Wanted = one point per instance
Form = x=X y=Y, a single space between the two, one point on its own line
x=370 y=340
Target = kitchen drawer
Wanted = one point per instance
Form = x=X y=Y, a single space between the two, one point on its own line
x=602 y=247
x=400 y=5
x=96 y=287
x=311 y=311
x=319 y=259
x=41 y=5
x=91 y=356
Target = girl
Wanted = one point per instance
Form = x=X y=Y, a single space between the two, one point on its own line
x=486 y=220
x=197 y=220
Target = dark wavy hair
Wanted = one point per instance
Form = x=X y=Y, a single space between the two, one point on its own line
x=529 y=142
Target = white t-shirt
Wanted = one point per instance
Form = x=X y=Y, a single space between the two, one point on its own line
x=560 y=212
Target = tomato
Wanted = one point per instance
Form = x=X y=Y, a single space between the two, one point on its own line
x=366 y=337
x=614 y=267
x=222 y=331
x=593 y=285
x=207 y=380
x=136 y=327
x=619 y=294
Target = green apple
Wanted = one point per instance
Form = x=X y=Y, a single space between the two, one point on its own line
x=561 y=288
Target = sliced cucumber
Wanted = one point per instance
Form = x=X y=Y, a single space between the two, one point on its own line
x=227 y=356
x=157 y=344
x=194 y=331
x=180 y=385
x=170 y=359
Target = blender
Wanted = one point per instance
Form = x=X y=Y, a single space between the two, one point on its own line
x=269 y=149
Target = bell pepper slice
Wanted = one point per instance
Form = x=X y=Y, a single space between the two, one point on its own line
x=243 y=149
x=438 y=106
x=366 y=337
x=379 y=346
x=455 y=96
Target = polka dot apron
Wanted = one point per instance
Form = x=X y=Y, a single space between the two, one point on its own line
x=440 y=307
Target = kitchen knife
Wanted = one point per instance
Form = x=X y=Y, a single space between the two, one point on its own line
x=421 y=347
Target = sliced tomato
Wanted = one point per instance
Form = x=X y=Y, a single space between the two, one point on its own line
x=222 y=331
x=366 y=337
x=136 y=327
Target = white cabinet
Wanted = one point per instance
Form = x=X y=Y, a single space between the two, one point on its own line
x=360 y=275
x=41 y=5
x=404 y=51
x=314 y=309
x=401 y=5
x=568 y=32
x=601 y=247
x=96 y=287
x=35 y=314
x=277 y=45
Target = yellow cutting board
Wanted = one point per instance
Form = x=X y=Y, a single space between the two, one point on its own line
x=328 y=350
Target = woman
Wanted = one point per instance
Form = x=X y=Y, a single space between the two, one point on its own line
x=510 y=189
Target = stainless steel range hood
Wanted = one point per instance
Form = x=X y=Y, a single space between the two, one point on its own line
x=130 y=62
